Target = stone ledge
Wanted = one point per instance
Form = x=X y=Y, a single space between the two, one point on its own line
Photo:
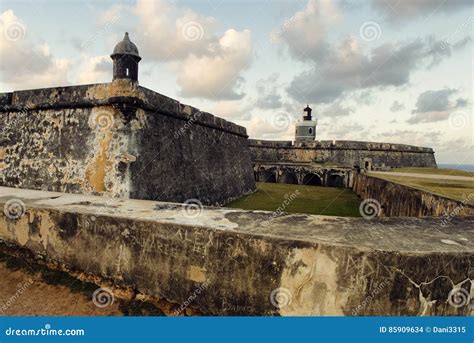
x=236 y=260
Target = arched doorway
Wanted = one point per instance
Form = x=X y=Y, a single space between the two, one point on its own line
x=311 y=179
x=288 y=177
x=266 y=176
x=335 y=181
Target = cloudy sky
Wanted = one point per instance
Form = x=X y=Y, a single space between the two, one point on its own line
x=382 y=70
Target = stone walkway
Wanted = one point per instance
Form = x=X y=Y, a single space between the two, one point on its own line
x=426 y=176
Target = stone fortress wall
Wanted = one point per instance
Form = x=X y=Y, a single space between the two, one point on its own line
x=343 y=153
x=120 y=139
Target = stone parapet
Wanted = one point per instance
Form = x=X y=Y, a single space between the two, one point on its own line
x=234 y=262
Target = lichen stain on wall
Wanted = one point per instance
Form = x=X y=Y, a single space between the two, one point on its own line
x=100 y=164
x=310 y=276
x=115 y=88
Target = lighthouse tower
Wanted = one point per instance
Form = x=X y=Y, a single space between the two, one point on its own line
x=306 y=129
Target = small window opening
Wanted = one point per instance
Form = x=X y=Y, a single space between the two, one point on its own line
x=310 y=131
x=126 y=71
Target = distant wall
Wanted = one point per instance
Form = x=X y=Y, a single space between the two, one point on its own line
x=122 y=140
x=343 y=153
x=401 y=201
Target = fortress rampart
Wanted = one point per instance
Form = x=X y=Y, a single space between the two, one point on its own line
x=342 y=153
x=235 y=262
x=120 y=139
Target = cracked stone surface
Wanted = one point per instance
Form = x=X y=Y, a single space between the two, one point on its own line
x=250 y=263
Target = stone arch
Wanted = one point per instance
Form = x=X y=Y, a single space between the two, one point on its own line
x=288 y=177
x=335 y=180
x=311 y=179
x=266 y=176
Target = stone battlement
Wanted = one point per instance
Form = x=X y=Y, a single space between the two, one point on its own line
x=249 y=262
x=341 y=144
x=342 y=153
x=113 y=93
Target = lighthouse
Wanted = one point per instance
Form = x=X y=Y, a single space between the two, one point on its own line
x=305 y=130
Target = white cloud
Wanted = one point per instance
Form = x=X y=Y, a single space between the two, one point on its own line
x=217 y=75
x=436 y=105
x=94 y=70
x=24 y=63
x=207 y=65
x=231 y=110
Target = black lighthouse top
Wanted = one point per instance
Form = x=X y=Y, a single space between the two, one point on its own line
x=308 y=113
x=126 y=58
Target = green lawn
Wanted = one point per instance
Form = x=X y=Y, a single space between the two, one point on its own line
x=301 y=199
x=458 y=190
x=438 y=171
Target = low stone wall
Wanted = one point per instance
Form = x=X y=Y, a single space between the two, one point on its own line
x=402 y=201
x=122 y=140
x=234 y=262
x=342 y=153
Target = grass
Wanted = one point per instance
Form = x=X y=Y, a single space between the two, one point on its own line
x=458 y=190
x=301 y=199
x=437 y=171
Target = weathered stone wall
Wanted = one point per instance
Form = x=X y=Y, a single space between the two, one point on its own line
x=302 y=174
x=402 y=201
x=233 y=262
x=122 y=140
x=343 y=153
